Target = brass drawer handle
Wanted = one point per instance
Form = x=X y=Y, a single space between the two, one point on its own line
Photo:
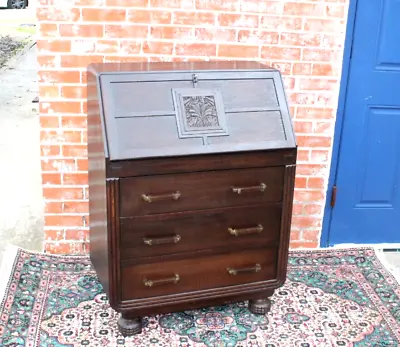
x=151 y=198
x=246 y=231
x=171 y=280
x=239 y=190
x=162 y=240
x=234 y=272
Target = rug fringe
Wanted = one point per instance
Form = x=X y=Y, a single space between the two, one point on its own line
x=393 y=270
x=7 y=259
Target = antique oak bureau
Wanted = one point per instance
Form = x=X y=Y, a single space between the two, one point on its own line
x=191 y=179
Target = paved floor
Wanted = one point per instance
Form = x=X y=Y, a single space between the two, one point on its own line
x=21 y=201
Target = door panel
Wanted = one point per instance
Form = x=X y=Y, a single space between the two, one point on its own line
x=367 y=207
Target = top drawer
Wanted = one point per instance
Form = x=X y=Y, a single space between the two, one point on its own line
x=201 y=190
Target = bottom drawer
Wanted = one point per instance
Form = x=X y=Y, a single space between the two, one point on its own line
x=171 y=277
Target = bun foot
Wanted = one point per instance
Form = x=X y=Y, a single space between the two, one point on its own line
x=260 y=306
x=129 y=326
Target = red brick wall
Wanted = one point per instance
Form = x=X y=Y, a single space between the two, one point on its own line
x=303 y=39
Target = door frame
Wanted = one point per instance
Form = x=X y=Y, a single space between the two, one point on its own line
x=340 y=115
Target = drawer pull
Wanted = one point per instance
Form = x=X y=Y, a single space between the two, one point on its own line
x=240 y=190
x=171 y=280
x=234 y=272
x=151 y=198
x=162 y=240
x=246 y=231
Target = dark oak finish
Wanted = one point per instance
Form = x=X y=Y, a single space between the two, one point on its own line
x=186 y=232
x=194 y=191
x=191 y=180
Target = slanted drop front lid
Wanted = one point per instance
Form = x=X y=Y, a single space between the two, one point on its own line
x=152 y=113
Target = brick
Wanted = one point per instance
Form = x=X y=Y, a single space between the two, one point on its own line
x=281 y=53
x=215 y=34
x=310 y=169
x=197 y=49
x=77 y=61
x=82 y=164
x=325 y=70
x=280 y=23
x=314 y=141
x=125 y=31
x=302 y=9
x=76 y=207
x=49 y=121
x=320 y=55
x=106 y=46
x=303 y=127
x=335 y=11
x=258 y=36
x=55 y=235
x=323 y=128
x=192 y=18
x=83 y=46
x=75 y=178
x=75 y=151
x=238 y=51
x=58 y=165
x=50 y=150
x=70 y=248
x=301 y=182
x=173 y=3
x=303 y=244
x=51 y=178
x=238 y=20
x=315 y=183
x=311 y=235
x=309 y=195
x=77 y=235
x=297 y=209
x=47 y=30
x=53 y=13
x=60 y=107
x=130 y=47
x=57 y=136
x=56 y=46
x=283 y=67
x=320 y=156
x=59 y=76
x=63 y=193
x=89 y=2
x=289 y=82
x=314 y=113
x=313 y=209
x=323 y=25
x=172 y=33
x=216 y=5
x=294 y=235
x=301 y=98
x=81 y=30
x=271 y=7
x=306 y=221
x=74 y=92
x=303 y=155
x=103 y=15
x=302 y=68
x=53 y=207
x=300 y=39
x=127 y=3
x=317 y=84
x=48 y=61
x=77 y=122
x=158 y=47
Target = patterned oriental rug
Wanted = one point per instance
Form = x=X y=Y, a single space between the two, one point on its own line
x=332 y=297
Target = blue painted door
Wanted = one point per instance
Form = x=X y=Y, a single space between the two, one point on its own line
x=367 y=206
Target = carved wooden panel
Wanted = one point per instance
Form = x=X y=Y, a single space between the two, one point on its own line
x=199 y=112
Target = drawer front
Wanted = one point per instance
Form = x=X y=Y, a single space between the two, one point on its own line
x=235 y=227
x=201 y=190
x=172 y=277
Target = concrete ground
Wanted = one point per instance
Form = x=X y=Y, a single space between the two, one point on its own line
x=21 y=201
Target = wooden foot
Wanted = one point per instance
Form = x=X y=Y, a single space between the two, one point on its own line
x=129 y=326
x=260 y=306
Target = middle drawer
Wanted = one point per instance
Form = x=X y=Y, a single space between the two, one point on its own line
x=165 y=234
